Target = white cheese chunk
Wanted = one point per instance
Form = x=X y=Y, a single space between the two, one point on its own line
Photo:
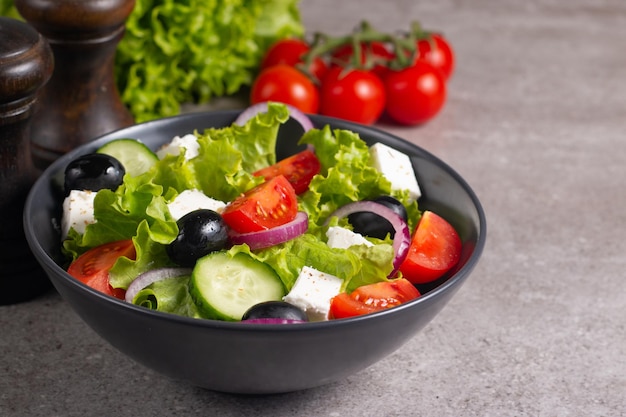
x=189 y=142
x=313 y=291
x=77 y=211
x=342 y=238
x=396 y=167
x=190 y=200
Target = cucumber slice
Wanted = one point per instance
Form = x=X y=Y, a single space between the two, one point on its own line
x=224 y=287
x=136 y=157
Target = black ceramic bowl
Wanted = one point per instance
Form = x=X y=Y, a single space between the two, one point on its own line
x=253 y=358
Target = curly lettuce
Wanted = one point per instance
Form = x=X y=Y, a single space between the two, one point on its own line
x=190 y=51
x=223 y=169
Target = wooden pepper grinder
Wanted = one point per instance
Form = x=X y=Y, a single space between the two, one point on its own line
x=26 y=64
x=81 y=101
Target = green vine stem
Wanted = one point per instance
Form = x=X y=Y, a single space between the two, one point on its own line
x=403 y=47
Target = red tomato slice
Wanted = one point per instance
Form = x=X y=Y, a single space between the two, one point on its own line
x=299 y=169
x=270 y=204
x=92 y=267
x=342 y=306
x=435 y=249
x=372 y=297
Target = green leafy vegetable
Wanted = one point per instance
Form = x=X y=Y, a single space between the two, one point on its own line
x=190 y=51
x=223 y=170
x=169 y=296
x=7 y=8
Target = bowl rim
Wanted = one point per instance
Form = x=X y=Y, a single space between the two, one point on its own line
x=454 y=280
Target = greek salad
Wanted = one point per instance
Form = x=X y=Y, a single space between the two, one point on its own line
x=212 y=226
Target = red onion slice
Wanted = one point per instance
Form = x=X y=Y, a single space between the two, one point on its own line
x=402 y=238
x=255 y=109
x=152 y=276
x=273 y=236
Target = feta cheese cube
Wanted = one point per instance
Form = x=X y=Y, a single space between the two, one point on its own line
x=190 y=200
x=313 y=291
x=342 y=238
x=396 y=167
x=189 y=142
x=77 y=211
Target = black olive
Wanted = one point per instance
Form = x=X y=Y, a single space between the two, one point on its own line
x=373 y=225
x=275 y=310
x=200 y=232
x=93 y=172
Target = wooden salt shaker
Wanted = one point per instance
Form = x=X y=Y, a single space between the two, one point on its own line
x=81 y=101
x=26 y=64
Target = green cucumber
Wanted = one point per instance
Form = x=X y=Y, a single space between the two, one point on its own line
x=224 y=287
x=136 y=157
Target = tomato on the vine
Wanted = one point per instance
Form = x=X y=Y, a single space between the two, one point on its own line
x=290 y=52
x=375 y=51
x=288 y=85
x=270 y=204
x=92 y=267
x=351 y=94
x=438 y=52
x=415 y=94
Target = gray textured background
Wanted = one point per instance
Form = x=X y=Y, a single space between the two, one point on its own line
x=536 y=123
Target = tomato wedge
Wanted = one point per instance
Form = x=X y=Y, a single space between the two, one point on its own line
x=372 y=297
x=435 y=248
x=299 y=169
x=270 y=204
x=92 y=267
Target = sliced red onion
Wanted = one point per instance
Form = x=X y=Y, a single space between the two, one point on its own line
x=273 y=321
x=255 y=109
x=152 y=276
x=402 y=238
x=273 y=236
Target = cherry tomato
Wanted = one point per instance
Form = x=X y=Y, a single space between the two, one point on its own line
x=287 y=85
x=373 y=51
x=435 y=248
x=372 y=297
x=438 y=52
x=92 y=267
x=299 y=169
x=415 y=94
x=270 y=204
x=290 y=52
x=353 y=95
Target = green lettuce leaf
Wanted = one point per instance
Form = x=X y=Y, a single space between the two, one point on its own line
x=190 y=51
x=356 y=266
x=138 y=209
x=168 y=296
x=346 y=175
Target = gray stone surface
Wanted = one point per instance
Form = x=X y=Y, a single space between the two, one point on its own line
x=536 y=123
